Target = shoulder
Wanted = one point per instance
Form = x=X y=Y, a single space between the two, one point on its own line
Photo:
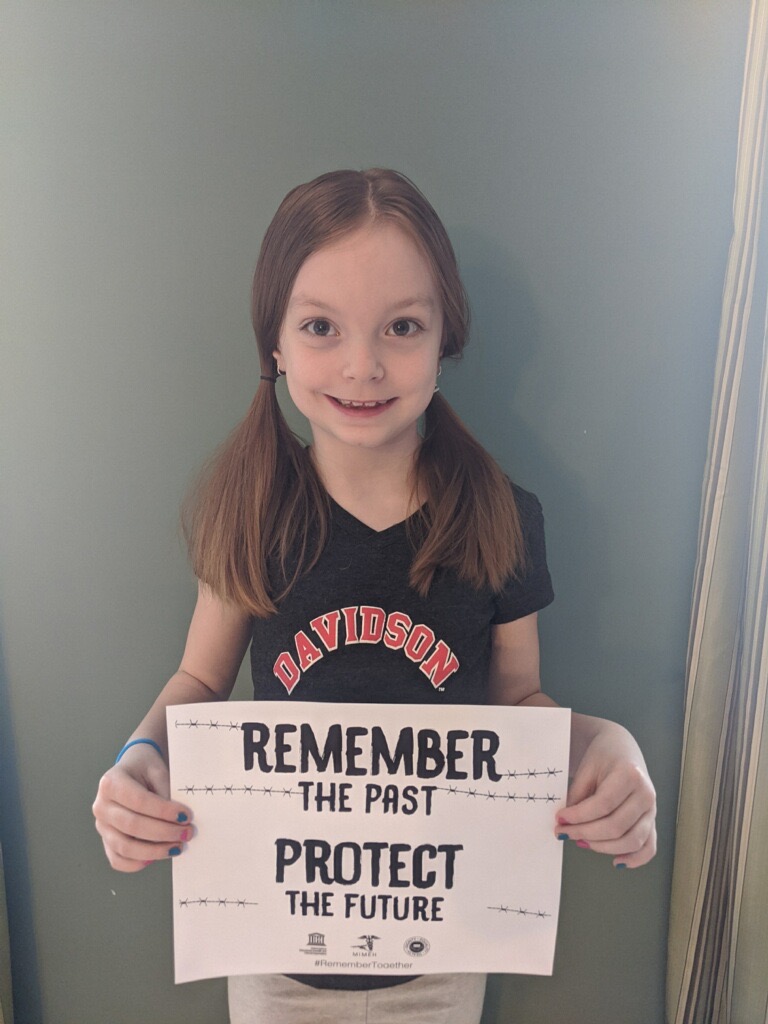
x=526 y=501
x=531 y=518
x=530 y=588
x=528 y=506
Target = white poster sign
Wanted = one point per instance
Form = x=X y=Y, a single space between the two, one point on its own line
x=367 y=838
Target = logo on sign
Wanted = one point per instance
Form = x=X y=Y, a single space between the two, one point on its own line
x=365 y=946
x=315 y=944
x=416 y=946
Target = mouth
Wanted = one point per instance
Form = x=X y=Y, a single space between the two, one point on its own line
x=345 y=403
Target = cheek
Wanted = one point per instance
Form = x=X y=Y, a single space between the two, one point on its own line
x=302 y=397
x=305 y=379
x=428 y=366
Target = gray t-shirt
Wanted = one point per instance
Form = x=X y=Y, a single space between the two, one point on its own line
x=352 y=630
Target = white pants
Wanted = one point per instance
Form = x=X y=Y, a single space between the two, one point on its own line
x=429 y=999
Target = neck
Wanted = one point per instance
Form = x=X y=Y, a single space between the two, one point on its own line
x=376 y=490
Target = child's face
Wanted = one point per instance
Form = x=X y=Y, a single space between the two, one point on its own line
x=364 y=324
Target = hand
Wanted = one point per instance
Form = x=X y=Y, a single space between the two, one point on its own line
x=137 y=822
x=611 y=804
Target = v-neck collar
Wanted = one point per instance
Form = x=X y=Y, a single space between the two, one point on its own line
x=351 y=524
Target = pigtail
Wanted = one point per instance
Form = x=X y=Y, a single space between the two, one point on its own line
x=257 y=515
x=469 y=521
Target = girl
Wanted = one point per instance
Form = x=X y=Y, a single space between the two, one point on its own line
x=356 y=300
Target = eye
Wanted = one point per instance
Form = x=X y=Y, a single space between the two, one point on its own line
x=318 y=328
x=402 y=328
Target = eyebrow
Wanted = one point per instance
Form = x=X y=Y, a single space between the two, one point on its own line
x=414 y=300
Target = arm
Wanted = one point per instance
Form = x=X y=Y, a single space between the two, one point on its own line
x=611 y=805
x=134 y=817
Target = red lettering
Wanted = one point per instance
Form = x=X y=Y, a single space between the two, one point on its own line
x=419 y=642
x=350 y=621
x=441 y=663
x=372 y=624
x=308 y=652
x=327 y=628
x=367 y=624
x=287 y=671
x=398 y=624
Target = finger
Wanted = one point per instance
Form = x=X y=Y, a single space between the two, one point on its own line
x=121 y=789
x=139 y=826
x=614 y=826
x=610 y=794
x=583 y=784
x=126 y=848
x=630 y=841
x=122 y=863
x=636 y=860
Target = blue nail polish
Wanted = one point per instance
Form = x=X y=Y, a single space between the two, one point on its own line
x=182 y=818
x=563 y=835
x=174 y=851
x=620 y=866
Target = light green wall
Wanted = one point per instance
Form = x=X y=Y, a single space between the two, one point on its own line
x=581 y=156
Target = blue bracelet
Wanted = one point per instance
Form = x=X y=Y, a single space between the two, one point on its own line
x=132 y=743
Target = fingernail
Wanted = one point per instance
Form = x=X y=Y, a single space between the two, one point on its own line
x=563 y=835
x=147 y=863
x=583 y=844
x=174 y=851
x=620 y=866
x=184 y=836
x=562 y=821
x=181 y=818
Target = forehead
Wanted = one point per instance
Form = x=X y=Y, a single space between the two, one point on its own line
x=379 y=260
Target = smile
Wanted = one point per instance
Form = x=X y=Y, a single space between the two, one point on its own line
x=348 y=404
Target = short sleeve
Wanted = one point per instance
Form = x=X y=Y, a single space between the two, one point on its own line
x=532 y=589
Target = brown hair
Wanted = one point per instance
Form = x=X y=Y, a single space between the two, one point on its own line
x=259 y=502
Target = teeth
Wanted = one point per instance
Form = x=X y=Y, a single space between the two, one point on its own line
x=358 y=405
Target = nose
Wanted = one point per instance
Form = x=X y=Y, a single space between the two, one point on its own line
x=362 y=361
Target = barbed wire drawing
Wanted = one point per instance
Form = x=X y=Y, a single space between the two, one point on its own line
x=528 y=798
x=533 y=773
x=520 y=911
x=210 y=724
x=207 y=790
x=215 y=901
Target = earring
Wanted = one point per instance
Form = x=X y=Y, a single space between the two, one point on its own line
x=280 y=373
x=439 y=371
